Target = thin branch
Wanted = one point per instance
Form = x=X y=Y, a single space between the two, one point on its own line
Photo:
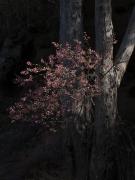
x=126 y=49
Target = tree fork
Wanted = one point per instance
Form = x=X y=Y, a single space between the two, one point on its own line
x=126 y=49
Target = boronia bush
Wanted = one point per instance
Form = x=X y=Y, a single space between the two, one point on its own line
x=54 y=85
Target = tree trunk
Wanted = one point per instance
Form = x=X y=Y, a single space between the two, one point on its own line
x=111 y=74
x=70 y=30
x=126 y=49
x=106 y=103
x=70 y=20
x=104 y=46
x=105 y=121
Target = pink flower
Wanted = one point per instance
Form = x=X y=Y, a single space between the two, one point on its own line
x=29 y=63
x=23 y=99
x=24 y=72
x=42 y=61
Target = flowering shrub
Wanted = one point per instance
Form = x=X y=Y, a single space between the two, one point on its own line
x=55 y=85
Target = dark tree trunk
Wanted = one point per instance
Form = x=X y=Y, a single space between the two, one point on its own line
x=70 y=30
x=111 y=73
x=70 y=20
x=106 y=103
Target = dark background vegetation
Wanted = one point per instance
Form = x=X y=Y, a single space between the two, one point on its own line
x=27 y=28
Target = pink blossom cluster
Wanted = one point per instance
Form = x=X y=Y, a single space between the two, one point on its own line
x=56 y=84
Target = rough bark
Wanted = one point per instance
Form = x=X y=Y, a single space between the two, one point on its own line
x=104 y=46
x=70 y=30
x=70 y=20
x=106 y=103
x=110 y=72
x=126 y=49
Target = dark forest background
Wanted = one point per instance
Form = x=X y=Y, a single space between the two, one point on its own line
x=27 y=29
